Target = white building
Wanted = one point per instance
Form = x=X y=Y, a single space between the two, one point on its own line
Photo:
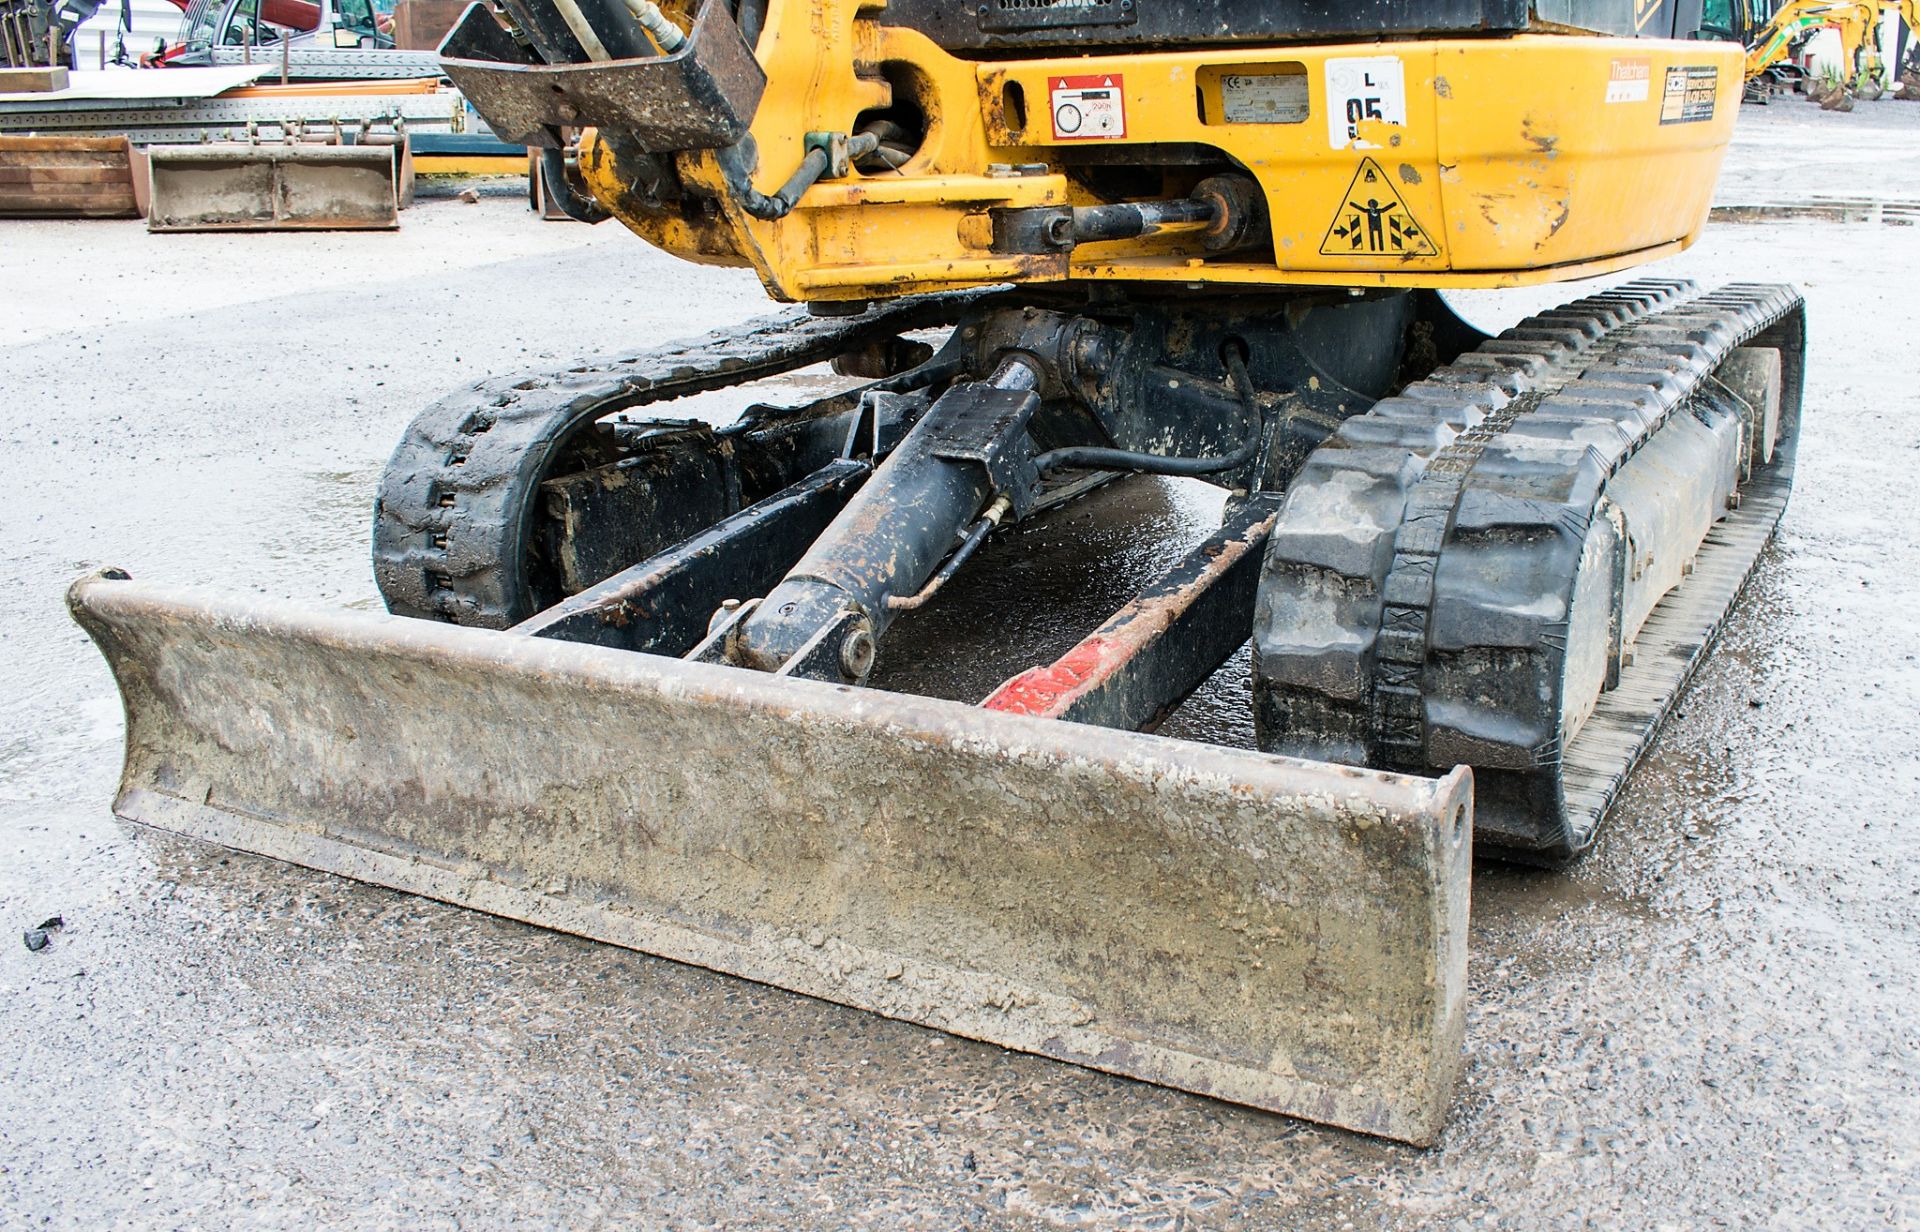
x=148 y=20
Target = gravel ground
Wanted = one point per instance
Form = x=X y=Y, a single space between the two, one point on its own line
x=1791 y=152
x=1710 y=1023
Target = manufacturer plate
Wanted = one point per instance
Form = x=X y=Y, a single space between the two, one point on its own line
x=1690 y=94
x=1263 y=98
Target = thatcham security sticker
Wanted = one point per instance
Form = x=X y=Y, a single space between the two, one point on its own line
x=1363 y=88
x=1088 y=108
x=1631 y=81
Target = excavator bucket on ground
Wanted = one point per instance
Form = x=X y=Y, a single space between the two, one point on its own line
x=71 y=177
x=284 y=186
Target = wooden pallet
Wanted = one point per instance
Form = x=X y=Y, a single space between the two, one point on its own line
x=71 y=177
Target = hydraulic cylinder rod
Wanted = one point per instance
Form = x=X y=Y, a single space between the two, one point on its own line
x=893 y=535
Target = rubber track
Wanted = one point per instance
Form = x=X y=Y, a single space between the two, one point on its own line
x=1533 y=359
x=453 y=516
x=1346 y=632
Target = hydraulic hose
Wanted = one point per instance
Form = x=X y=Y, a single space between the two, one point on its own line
x=751 y=20
x=976 y=536
x=575 y=205
x=812 y=167
x=654 y=22
x=1099 y=458
x=590 y=42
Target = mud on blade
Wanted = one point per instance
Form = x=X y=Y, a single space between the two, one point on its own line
x=1278 y=933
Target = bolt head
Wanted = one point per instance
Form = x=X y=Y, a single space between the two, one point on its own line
x=857 y=654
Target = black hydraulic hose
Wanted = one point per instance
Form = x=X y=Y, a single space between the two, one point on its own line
x=553 y=172
x=780 y=204
x=892 y=150
x=812 y=167
x=1093 y=458
x=1097 y=458
x=933 y=372
x=885 y=130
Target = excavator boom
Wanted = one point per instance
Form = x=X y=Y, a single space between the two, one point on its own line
x=1856 y=21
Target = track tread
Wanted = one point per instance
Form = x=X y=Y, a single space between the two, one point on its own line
x=455 y=504
x=1354 y=635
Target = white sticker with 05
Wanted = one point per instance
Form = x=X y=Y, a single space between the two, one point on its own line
x=1363 y=88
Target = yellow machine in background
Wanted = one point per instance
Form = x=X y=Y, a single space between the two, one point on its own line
x=636 y=683
x=1770 y=39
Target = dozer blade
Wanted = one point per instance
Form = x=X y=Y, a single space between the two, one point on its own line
x=1278 y=933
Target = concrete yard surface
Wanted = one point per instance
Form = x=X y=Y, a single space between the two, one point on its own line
x=1791 y=152
x=1711 y=1022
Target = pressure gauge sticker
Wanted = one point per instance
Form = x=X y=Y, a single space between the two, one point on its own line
x=1088 y=108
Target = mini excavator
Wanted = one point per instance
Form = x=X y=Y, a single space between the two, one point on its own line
x=1774 y=32
x=1050 y=245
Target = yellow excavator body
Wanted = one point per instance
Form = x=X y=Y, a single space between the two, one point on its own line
x=1486 y=163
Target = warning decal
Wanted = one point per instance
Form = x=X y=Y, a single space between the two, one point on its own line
x=1088 y=108
x=1372 y=221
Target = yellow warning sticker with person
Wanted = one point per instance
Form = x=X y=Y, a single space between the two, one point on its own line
x=1372 y=221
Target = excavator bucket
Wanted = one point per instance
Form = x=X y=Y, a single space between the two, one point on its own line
x=1284 y=934
x=295 y=186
